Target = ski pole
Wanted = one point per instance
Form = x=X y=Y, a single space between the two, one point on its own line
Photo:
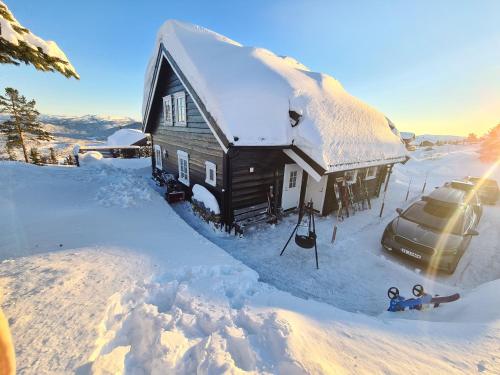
x=425 y=182
x=334 y=234
x=383 y=204
x=408 y=192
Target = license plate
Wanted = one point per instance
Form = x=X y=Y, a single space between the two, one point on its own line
x=411 y=253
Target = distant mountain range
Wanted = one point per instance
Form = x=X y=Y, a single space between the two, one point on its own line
x=69 y=130
x=89 y=127
x=437 y=138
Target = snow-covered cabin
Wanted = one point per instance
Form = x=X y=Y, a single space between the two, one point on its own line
x=242 y=121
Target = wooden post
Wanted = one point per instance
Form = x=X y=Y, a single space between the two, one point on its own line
x=425 y=182
x=334 y=234
x=389 y=172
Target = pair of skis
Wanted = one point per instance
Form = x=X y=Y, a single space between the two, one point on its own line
x=421 y=300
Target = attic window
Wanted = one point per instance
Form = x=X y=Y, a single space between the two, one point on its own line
x=294 y=118
x=167 y=110
x=180 y=108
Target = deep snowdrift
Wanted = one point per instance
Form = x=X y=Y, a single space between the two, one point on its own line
x=249 y=92
x=123 y=285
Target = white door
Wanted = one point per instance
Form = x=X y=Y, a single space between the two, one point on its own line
x=316 y=192
x=292 y=180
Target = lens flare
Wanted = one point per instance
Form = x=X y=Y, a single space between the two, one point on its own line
x=443 y=239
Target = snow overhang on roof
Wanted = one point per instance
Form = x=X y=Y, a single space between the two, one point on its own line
x=248 y=92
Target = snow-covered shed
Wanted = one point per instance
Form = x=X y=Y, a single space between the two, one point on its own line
x=127 y=137
x=249 y=125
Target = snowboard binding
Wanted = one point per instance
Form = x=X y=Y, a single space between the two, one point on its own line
x=421 y=300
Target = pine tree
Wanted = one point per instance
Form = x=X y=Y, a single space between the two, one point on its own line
x=53 y=157
x=23 y=121
x=15 y=48
x=11 y=153
x=490 y=147
x=471 y=138
x=35 y=156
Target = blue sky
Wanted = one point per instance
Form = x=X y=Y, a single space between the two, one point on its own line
x=430 y=66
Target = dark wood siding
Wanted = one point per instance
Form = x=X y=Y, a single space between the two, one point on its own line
x=195 y=138
x=251 y=188
x=372 y=185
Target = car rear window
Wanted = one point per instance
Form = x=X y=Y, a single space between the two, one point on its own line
x=486 y=183
x=438 y=217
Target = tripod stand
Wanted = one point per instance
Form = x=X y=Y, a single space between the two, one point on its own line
x=307 y=241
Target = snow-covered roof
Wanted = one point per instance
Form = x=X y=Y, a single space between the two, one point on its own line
x=125 y=137
x=249 y=91
x=407 y=135
x=13 y=32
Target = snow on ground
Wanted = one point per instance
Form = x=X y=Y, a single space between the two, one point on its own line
x=355 y=272
x=96 y=284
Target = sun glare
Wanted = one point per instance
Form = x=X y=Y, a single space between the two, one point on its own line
x=443 y=239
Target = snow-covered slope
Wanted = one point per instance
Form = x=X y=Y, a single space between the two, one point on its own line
x=249 y=91
x=99 y=275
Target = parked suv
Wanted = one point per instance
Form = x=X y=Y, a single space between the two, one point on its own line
x=472 y=196
x=435 y=230
x=487 y=189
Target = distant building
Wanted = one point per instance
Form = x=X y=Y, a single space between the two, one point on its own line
x=409 y=139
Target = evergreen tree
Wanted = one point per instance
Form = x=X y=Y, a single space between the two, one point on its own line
x=23 y=121
x=471 y=138
x=53 y=157
x=490 y=147
x=35 y=156
x=11 y=153
x=15 y=48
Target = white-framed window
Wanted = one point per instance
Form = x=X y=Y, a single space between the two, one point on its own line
x=351 y=176
x=180 y=108
x=292 y=182
x=211 y=175
x=371 y=173
x=167 y=110
x=158 y=157
x=183 y=164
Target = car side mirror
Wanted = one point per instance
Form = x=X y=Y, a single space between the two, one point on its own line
x=399 y=211
x=472 y=232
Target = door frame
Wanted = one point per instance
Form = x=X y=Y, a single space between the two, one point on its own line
x=320 y=189
x=286 y=180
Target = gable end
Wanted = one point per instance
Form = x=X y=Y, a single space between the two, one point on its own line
x=212 y=124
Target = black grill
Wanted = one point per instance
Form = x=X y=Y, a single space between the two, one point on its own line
x=414 y=246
